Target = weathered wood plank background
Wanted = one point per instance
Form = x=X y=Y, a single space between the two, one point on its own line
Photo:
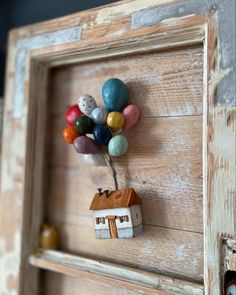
x=164 y=164
x=60 y=285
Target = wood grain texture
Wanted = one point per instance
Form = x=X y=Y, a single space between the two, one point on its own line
x=219 y=161
x=163 y=163
x=115 y=199
x=171 y=252
x=33 y=207
x=32 y=220
x=161 y=84
x=166 y=174
x=112 y=274
x=53 y=283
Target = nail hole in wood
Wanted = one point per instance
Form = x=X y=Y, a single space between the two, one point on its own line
x=216 y=42
x=215 y=97
x=214 y=64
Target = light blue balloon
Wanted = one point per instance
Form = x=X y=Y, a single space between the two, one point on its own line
x=99 y=115
x=118 y=145
x=115 y=95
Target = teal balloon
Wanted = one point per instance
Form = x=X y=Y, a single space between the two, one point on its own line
x=118 y=146
x=115 y=95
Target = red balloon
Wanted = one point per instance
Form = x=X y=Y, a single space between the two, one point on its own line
x=72 y=113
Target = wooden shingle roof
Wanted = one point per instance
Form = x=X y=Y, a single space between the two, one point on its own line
x=115 y=199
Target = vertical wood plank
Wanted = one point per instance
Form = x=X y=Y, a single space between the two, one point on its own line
x=219 y=162
x=35 y=160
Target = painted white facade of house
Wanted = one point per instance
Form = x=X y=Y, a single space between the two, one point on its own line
x=128 y=222
x=136 y=214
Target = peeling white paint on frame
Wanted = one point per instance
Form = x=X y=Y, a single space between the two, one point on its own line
x=9 y=263
x=35 y=42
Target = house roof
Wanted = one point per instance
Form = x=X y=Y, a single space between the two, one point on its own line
x=115 y=199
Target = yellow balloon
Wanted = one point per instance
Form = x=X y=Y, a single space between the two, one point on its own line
x=115 y=121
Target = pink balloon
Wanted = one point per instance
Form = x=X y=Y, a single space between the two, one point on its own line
x=85 y=145
x=131 y=114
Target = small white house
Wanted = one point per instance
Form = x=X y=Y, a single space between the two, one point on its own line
x=117 y=214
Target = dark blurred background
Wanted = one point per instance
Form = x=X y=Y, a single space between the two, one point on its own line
x=16 y=13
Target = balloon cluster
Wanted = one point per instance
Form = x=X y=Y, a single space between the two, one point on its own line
x=106 y=124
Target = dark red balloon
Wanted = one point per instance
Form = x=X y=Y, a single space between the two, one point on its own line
x=72 y=113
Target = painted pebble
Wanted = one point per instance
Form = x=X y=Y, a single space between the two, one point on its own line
x=99 y=115
x=131 y=114
x=85 y=145
x=102 y=134
x=87 y=104
x=70 y=134
x=95 y=159
x=117 y=146
x=49 y=238
x=84 y=124
x=115 y=121
x=72 y=113
x=115 y=94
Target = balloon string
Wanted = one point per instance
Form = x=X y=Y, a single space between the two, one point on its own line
x=114 y=175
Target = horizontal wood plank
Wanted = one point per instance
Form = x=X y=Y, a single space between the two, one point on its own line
x=60 y=284
x=167 y=83
x=166 y=172
x=165 y=251
x=111 y=274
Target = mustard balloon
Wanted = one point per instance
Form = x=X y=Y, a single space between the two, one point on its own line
x=115 y=121
x=49 y=237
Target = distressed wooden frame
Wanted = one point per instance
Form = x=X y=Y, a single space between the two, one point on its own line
x=119 y=29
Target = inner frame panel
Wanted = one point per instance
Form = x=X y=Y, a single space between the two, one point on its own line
x=163 y=163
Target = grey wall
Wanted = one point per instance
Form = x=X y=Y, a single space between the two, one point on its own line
x=4 y=25
x=16 y=13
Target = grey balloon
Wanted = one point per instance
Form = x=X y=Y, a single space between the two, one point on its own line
x=99 y=115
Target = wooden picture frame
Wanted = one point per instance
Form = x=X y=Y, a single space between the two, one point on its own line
x=119 y=29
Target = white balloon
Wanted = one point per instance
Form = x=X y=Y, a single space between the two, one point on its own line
x=87 y=104
x=95 y=159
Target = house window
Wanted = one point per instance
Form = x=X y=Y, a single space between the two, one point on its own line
x=136 y=215
x=100 y=220
x=124 y=218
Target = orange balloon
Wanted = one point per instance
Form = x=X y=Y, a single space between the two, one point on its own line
x=70 y=134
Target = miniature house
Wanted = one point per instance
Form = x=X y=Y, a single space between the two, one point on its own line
x=117 y=214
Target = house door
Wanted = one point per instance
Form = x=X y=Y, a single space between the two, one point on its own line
x=112 y=226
